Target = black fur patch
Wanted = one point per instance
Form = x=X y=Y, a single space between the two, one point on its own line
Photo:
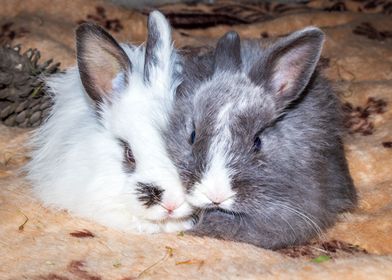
x=149 y=194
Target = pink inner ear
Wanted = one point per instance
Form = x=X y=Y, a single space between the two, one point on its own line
x=289 y=68
x=282 y=88
x=102 y=64
x=283 y=79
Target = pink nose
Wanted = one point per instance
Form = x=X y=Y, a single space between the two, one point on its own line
x=216 y=200
x=170 y=207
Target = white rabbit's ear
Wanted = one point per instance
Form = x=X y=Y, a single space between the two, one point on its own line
x=158 y=50
x=103 y=65
x=286 y=68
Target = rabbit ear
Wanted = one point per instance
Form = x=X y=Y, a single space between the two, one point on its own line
x=158 y=50
x=103 y=65
x=228 y=53
x=288 y=66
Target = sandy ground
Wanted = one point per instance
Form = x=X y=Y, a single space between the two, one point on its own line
x=41 y=243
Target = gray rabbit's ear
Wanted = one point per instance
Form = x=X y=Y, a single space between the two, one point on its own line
x=158 y=50
x=286 y=68
x=103 y=65
x=227 y=55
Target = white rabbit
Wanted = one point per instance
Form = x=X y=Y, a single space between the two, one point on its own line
x=101 y=153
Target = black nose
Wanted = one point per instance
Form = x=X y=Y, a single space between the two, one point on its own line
x=216 y=203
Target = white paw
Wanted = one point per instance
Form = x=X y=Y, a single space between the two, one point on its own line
x=148 y=227
x=174 y=226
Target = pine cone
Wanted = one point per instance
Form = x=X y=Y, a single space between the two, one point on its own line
x=23 y=100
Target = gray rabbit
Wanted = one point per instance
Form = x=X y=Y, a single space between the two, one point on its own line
x=257 y=136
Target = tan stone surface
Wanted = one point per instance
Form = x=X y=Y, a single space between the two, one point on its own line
x=44 y=249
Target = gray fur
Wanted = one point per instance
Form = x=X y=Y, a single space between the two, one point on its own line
x=299 y=182
x=229 y=46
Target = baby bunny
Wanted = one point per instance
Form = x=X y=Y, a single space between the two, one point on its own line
x=101 y=153
x=258 y=143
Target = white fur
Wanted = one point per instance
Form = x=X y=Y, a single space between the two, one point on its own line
x=161 y=75
x=215 y=186
x=77 y=161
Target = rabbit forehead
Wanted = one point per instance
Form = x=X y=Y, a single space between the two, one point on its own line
x=231 y=108
x=230 y=94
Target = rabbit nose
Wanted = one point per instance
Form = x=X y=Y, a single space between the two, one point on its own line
x=170 y=208
x=216 y=200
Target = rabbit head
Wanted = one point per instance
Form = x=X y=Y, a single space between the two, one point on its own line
x=134 y=109
x=234 y=110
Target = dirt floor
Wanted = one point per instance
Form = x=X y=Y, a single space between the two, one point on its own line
x=41 y=243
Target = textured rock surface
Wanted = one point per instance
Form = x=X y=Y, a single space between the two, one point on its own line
x=41 y=243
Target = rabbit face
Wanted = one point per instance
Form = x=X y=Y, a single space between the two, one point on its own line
x=227 y=141
x=136 y=120
x=234 y=129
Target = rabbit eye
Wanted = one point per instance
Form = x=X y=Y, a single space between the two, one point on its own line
x=257 y=144
x=129 y=159
x=193 y=137
x=129 y=155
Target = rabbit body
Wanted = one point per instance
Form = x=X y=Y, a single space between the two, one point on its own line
x=259 y=142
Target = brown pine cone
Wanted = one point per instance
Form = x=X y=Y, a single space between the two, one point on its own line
x=23 y=100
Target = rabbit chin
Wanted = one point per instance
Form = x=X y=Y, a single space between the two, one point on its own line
x=152 y=220
x=199 y=199
x=159 y=219
x=158 y=214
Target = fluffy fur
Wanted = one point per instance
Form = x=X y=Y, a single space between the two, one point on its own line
x=115 y=108
x=258 y=142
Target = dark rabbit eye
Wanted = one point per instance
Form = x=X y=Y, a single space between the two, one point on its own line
x=128 y=154
x=193 y=137
x=257 y=144
x=129 y=159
